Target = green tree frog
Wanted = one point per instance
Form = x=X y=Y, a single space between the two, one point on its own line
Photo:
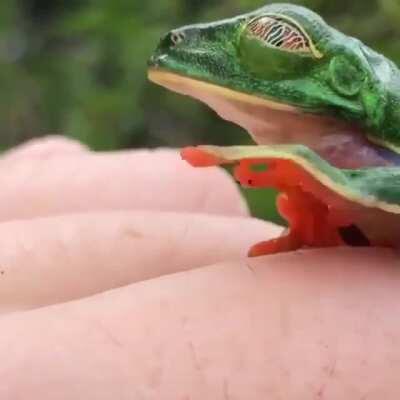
x=323 y=108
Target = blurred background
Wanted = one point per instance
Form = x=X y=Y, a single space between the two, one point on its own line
x=78 y=68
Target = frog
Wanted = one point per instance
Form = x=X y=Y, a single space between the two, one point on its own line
x=322 y=108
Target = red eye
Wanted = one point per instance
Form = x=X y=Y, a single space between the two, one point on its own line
x=281 y=33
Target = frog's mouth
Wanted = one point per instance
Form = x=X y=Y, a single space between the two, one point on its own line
x=268 y=121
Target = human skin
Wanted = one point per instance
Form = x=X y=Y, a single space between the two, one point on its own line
x=123 y=276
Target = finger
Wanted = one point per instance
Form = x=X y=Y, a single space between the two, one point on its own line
x=150 y=180
x=43 y=148
x=297 y=326
x=45 y=261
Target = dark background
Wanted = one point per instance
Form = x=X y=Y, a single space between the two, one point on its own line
x=78 y=68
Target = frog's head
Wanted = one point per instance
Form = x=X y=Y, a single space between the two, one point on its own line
x=281 y=58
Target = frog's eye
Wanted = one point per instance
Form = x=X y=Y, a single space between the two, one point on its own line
x=282 y=33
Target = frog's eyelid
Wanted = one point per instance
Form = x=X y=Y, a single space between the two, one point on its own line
x=282 y=32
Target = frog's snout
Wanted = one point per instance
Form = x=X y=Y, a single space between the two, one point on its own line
x=173 y=42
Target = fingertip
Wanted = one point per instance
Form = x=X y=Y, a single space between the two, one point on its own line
x=45 y=147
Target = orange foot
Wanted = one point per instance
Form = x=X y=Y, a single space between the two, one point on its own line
x=313 y=213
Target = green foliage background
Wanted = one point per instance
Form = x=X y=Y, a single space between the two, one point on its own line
x=78 y=68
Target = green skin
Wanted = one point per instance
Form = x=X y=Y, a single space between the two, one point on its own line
x=332 y=80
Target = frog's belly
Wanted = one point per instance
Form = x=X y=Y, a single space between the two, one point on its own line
x=268 y=122
x=338 y=142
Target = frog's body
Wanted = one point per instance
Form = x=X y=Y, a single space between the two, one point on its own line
x=287 y=77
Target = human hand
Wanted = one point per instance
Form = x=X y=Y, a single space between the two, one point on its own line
x=123 y=276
